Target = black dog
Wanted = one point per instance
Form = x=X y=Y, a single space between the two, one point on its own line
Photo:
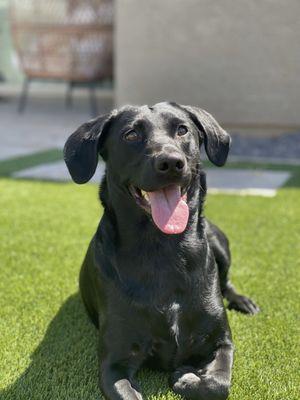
x=155 y=272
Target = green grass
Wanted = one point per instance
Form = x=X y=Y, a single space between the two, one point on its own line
x=48 y=346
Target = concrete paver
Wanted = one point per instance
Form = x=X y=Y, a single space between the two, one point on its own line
x=56 y=171
x=246 y=182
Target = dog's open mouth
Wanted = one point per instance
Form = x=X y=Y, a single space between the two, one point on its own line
x=167 y=206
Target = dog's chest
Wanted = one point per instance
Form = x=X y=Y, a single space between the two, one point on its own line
x=176 y=334
x=161 y=272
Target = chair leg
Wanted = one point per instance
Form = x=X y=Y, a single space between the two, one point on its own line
x=24 y=95
x=93 y=100
x=69 y=92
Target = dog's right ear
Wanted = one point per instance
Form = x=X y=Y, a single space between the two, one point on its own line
x=82 y=147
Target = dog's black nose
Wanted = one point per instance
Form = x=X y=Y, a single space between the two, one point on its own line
x=169 y=163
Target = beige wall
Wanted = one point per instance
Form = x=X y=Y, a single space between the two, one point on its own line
x=239 y=60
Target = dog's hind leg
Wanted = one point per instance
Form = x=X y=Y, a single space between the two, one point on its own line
x=239 y=302
x=220 y=247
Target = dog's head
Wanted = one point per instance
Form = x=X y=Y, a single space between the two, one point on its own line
x=151 y=153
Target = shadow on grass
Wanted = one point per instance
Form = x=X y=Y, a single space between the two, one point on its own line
x=65 y=366
x=294 y=181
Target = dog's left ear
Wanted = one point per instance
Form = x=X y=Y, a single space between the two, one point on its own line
x=82 y=148
x=216 y=139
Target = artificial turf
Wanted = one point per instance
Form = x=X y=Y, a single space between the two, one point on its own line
x=48 y=346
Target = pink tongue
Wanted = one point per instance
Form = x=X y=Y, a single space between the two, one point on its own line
x=169 y=210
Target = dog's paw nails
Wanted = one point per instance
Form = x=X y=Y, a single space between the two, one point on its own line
x=244 y=305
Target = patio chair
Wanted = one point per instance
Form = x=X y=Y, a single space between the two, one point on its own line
x=63 y=40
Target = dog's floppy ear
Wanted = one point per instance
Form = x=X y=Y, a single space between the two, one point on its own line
x=216 y=139
x=82 y=147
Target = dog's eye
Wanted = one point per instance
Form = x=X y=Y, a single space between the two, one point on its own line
x=132 y=136
x=182 y=130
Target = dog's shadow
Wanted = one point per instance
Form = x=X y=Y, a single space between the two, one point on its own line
x=65 y=364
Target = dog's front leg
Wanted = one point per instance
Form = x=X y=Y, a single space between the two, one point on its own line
x=209 y=383
x=117 y=383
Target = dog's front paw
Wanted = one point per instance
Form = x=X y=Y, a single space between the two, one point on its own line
x=186 y=383
x=243 y=304
x=195 y=387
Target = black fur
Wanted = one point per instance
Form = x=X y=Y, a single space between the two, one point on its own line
x=156 y=298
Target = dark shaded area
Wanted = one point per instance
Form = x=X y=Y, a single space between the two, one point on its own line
x=64 y=361
x=294 y=181
x=65 y=364
x=285 y=146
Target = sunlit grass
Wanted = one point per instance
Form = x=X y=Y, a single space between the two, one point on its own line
x=47 y=344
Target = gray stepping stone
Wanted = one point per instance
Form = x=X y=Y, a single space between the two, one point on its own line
x=56 y=171
x=236 y=181
x=246 y=182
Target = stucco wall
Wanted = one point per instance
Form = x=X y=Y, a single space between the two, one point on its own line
x=238 y=59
